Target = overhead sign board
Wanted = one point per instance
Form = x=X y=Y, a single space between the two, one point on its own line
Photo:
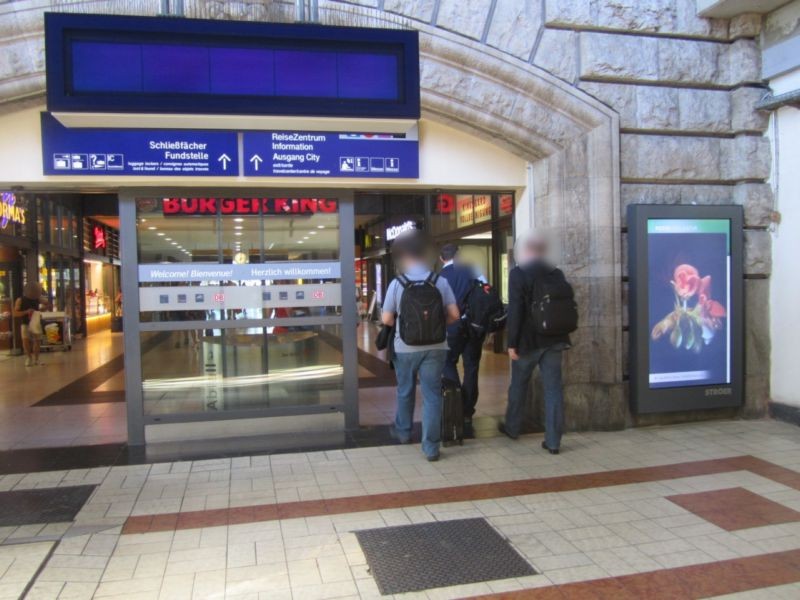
x=327 y=154
x=126 y=64
x=180 y=152
x=201 y=153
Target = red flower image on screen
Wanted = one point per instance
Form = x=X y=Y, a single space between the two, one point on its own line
x=696 y=317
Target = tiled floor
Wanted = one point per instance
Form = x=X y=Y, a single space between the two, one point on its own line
x=23 y=425
x=377 y=404
x=617 y=515
x=74 y=399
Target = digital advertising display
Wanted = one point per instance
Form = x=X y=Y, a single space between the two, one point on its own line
x=686 y=307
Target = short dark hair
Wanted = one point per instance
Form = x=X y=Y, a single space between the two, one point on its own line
x=411 y=244
x=448 y=251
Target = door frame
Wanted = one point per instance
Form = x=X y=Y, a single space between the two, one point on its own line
x=132 y=327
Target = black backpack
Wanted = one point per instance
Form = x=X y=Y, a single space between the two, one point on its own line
x=553 y=307
x=483 y=311
x=422 y=318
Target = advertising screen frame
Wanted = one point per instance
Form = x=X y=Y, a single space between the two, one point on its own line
x=644 y=398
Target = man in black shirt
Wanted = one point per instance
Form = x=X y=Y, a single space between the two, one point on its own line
x=528 y=349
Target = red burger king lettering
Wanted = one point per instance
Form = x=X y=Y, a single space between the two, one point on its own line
x=246 y=206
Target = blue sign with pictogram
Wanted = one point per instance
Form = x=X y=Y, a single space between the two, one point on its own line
x=330 y=154
x=180 y=152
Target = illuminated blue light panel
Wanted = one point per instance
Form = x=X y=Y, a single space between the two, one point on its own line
x=172 y=68
x=144 y=64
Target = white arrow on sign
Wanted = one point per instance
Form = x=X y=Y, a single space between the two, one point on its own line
x=256 y=160
x=224 y=159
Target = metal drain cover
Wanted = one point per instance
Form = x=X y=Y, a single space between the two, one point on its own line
x=46 y=505
x=411 y=558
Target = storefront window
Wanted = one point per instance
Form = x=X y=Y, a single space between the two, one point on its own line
x=505 y=205
x=217 y=261
x=240 y=369
x=54 y=226
x=11 y=267
x=41 y=220
x=99 y=288
x=443 y=214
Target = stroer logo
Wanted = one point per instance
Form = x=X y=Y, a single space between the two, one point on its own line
x=10 y=212
x=242 y=207
x=721 y=391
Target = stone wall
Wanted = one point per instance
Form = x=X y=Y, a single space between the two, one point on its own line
x=685 y=89
x=613 y=101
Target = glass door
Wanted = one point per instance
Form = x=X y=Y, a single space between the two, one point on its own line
x=9 y=292
x=240 y=306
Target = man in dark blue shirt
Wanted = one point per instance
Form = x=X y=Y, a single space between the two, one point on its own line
x=461 y=279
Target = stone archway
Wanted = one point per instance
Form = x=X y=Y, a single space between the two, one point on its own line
x=572 y=142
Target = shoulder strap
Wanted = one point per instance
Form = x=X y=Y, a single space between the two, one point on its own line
x=403 y=281
x=432 y=278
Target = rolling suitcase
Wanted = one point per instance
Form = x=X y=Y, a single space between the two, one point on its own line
x=452 y=414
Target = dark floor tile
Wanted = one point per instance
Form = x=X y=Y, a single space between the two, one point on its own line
x=35 y=460
x=50 y=505
x=735 y=508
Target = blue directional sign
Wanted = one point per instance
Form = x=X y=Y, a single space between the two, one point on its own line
x=187 y=153
x=326 y=154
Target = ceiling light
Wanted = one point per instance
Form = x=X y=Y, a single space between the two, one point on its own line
x=168 y=239
x=159 y=233
x=239 y=219
x=238 y=227
x=174 y=243
x=143 y=220
x=305 y=237
x=320 y=226
x=312 y=233
x=300 y=241
x=238 y=233
x=151 y=228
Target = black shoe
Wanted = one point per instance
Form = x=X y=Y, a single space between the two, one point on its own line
x=400 y=439
x=433 y=457
x=550 y=450
x=501 y=427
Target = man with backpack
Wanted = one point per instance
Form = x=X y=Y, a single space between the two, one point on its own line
x=481 y=312
x=541 y=314
x=422 y=305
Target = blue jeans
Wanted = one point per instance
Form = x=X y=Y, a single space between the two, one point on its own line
x=428 y=364
x=549 y=362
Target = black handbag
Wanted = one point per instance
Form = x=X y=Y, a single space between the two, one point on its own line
x=385 y=337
